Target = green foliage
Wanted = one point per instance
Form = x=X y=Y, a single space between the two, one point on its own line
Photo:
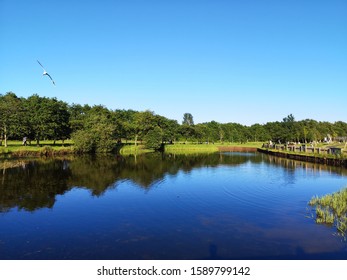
x=78 y=115
x=187 y=131
x=84 y=141
x=153 y=139
x=11 y=116
x=188 y=119
x=97 y=134
x=46 y=118
x=97 y=128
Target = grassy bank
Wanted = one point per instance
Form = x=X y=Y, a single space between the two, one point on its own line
x=192 y=148
x=46 y=148
x=131 y=149
x=238 y=144
x=182 y=148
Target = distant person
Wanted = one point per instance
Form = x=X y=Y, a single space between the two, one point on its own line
x=24 y=141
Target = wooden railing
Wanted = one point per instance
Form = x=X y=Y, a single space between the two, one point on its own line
x=306 y=149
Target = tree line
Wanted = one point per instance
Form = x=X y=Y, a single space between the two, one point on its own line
x=97 y=128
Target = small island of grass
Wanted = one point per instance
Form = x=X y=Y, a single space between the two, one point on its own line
x=331 y=209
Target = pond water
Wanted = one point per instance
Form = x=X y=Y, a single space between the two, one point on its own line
x=217 y=206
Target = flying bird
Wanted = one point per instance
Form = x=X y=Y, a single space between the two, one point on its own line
x=45 y=73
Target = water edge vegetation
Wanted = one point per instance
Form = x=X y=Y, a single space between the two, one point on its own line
x=331 y=209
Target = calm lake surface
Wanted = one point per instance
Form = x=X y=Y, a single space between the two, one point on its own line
x=218 y=206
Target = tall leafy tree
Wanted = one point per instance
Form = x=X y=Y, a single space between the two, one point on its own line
x=97 y=134
x=38 y=116
x=77 y=115
x=154 y=138
x=188 y=119
x=47 y=117
x=169 y=128
x=143 y=123
x=11 y=116
x=288 y=129
x=59 y=127
x=124 y=121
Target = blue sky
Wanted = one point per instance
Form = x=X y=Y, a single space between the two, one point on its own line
x=229 y=61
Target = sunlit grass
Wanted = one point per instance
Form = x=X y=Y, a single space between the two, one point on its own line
x=132 y=149
x=238 y=144
x=332 y=209
x=16 y=148
x=191 y=148
x=187 y=148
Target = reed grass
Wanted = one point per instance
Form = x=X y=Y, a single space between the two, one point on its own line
x=332 y=209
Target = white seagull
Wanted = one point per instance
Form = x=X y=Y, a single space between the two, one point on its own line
x=45 y=73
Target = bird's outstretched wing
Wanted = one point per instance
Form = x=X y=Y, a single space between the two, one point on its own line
x=50 y=78
x=41 y=65
x=45 y=72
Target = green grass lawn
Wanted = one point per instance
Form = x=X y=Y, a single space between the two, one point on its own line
x=131 y=149
x=206 y=148
x=16 y=148
x=238 y=144
x=190 y=148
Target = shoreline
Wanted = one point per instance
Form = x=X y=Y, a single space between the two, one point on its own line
x=47 y=151
x=307 y=158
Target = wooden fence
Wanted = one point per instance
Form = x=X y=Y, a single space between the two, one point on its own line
x=307 y=149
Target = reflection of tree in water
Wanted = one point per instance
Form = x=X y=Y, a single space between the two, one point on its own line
x=35 y=185
x=96 y=173
x=100 y=173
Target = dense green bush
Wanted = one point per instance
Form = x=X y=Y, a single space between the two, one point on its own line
x=93 y=141
x=84 y=141
x=153 y=139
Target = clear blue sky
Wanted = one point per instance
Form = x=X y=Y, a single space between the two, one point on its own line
x=224 y=60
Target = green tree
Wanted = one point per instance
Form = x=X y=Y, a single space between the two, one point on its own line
x=124 y=121
x=84 y=141
x=97 y=134
x=288 y=129
x=143 y=123
x=11 y=116
x=59 y=127
x=188 y=119
x=78 y=114
x=153 y=139
x=168 y=127
x=187 y=131
x=47 y=118
x=258 y=133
